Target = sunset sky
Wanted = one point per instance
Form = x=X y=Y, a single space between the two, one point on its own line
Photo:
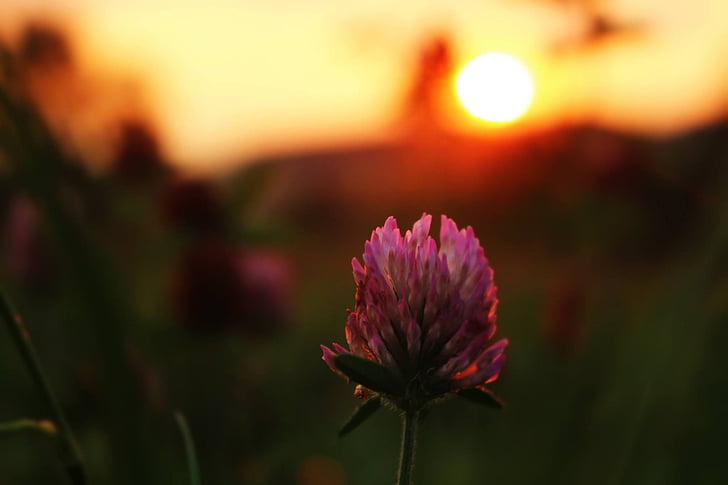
x=240 y=79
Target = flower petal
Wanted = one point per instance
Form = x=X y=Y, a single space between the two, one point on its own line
x=329 y=355
x=484 y=369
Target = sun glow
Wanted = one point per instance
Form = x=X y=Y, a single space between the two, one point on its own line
x=495 y=87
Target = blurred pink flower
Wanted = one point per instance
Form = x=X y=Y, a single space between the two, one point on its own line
x=193 y=205
x=27 y=259
x=138 y=158
x=565 y=313
x=427 y=314
x=218 y=286
x=45 y=46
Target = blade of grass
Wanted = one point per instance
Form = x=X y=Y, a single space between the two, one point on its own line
x=68 y=449
x=192 y=467
x=44 y=426
x=37 y=163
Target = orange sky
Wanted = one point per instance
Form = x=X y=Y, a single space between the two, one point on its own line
x=244 y=78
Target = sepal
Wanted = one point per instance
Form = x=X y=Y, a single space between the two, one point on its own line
x=361 y=414
x=370 y=374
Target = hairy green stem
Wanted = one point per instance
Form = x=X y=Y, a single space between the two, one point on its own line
x=410 y=422
x=69 y=451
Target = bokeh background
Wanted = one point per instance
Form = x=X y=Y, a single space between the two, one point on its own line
x=182 y=189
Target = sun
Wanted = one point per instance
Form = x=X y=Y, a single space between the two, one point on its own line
x=495 y=87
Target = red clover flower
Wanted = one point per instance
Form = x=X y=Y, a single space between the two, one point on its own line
x=421 y=326
x=424 y=313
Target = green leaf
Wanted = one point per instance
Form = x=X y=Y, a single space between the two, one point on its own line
x=370 y=374
x=361 y=414
x=481 y=396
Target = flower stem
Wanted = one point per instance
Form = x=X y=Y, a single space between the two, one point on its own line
x=69 y=451
x=409 y=441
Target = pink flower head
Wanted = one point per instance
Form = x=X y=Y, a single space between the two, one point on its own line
x=425 y=313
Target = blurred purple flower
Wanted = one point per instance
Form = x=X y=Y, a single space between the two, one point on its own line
x=218 y=286
x=27 y=259
x=565 y=314
x=426 y=314
x=193 y=205
x=267 y=278
x=138 y=158
x=45 y=46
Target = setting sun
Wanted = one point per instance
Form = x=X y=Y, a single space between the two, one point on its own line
x=495 y=87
